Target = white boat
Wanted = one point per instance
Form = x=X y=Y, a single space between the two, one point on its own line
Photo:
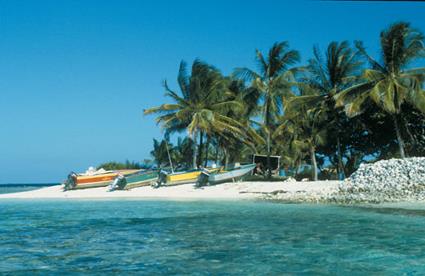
x=207 y=177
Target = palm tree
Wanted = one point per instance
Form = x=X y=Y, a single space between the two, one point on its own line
x=304 y=125
x=235 y=147
x=161 y=152
x=200 y=107
x=329 y=76
x=248 y=97
x=226 y=142
x=390 y=84
x=272 y=82
x=184 y=153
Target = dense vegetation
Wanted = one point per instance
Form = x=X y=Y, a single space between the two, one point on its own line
x=342 y=108
x=122 y=166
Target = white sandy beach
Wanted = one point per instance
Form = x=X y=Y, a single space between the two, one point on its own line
x=238 y=190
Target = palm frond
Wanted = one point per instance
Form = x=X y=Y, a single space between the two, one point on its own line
x=245 y=74
x=350 y=94
x=262 y=62
x=183 y=80
x=418 y=100
x=375 y=65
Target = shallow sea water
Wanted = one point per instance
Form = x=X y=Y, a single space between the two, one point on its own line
x=204 y=238
x=16 y=188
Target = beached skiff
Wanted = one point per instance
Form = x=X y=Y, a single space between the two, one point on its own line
x=166 y=179
x=208 y=177
x=82 y=181
x=139 y=179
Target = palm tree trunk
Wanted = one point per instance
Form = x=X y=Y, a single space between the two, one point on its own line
x=406 y=127
x=341 y=172
x=313 y=163
x=195 y=149
x=169 y=156
x=226 y=158
x=266 y=123
x=217 y=152
x=207 y=147
x=399 y=138
x=201 y=143
x=298 y=169
x=269 y=170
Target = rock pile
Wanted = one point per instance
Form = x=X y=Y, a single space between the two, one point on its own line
x=385 y=181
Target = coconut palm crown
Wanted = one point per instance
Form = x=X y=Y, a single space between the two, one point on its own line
x=390 y=83
x=273 y=82
x=326 y=77
x=200 y=107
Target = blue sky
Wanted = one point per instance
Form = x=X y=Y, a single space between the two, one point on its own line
x=75 y=76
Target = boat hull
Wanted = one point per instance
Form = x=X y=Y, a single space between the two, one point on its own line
x=139 y=180
x=166 y=179
x=220 y=177
x=75 y=181
x=182 y=178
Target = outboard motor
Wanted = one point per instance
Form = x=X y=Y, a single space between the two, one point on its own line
x=118 y=184
x=71 y=181
x=162 y=179
x=203 y=178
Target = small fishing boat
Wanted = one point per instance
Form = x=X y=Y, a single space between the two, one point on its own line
x=209 y=178
x=167 y=179
x=131 y=181
x=93 y=179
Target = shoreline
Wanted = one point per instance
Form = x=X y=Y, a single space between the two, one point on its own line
x=307 y=192
x=225 y=191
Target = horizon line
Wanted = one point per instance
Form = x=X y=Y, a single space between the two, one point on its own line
x=371 y=0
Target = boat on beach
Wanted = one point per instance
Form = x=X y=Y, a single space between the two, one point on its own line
x=210 y=178
x=168 y=179
x=93 y=179
x=131 y=181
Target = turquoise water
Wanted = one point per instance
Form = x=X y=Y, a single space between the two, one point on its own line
x=233 y=238
x=15 y=188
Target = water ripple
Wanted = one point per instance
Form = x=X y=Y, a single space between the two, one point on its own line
x=202 y=238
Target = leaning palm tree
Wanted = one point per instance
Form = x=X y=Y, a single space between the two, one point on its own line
x=248 y=97
x=326 y=77
x=200 y=107
x=272 y=82
x=391 y=83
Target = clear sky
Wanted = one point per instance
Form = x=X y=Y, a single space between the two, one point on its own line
x=75 y=76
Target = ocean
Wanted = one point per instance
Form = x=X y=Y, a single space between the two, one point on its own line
x=15 y=188
x=48 y=237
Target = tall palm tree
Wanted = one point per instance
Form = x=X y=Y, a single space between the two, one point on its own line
x=199 y=108
x=236 y=147
x=302 y=125
x=248 y=97
x=273 y=82
x=328 y=76
x=390 y=83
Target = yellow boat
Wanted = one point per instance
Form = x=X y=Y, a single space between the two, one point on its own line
x=168 y=179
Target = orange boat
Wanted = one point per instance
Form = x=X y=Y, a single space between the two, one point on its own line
x=96 y=179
